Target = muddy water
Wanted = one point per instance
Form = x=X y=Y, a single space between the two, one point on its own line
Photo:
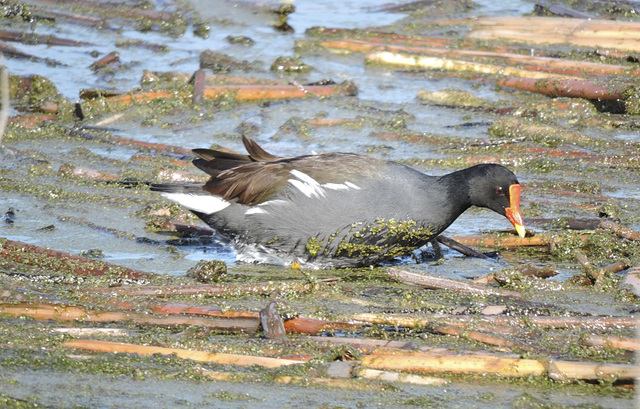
x=78 y=216
x=381 y=94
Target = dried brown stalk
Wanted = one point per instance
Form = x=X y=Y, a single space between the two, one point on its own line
x=212 y=311
x=365 y=345
x=200 y=356
x=619 y=230
x=614 y=34
x=443 y=63
x=489 y=339
x=435 y=362
x=83 y=173
x=574 y=88
x=567 y=370
x=610 y=341
x=390 y=376
x=528 y=321
x=510 y=240
x=260 y=92
x=42 y=311
x=454 y=363
x=327 y=382
x=531 y=63
x=312 y=326
x=584 y=261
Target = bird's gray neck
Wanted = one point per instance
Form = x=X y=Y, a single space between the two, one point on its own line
x=458 y=190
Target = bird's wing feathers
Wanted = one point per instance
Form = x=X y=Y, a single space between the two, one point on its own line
x=257 y=153
x=258 y=177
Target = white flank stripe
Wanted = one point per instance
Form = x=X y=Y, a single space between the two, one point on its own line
x=206 y=204
x=311 y=188
x=255 y=210
x=306 y=184
x=336 y=186
x=275 y=202
x=259 y=209
x=341 y=186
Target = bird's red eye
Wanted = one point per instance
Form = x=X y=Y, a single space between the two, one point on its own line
x=499 y=191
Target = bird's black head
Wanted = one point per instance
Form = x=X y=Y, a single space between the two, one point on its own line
x=497 y=188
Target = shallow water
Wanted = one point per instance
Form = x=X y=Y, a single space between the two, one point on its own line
x=381 y=94
x=105 y=218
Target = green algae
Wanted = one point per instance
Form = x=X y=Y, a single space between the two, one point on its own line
x=290 y=65
x=55 y=192
x=208 y=271
x=226 y=396
x=582 y=186
x=599 y=246
x=16 y=10
x=453 y=97
x=396 y=237
x=313 y=246
x=31 y=90
x=385 y=238
x=9 y=402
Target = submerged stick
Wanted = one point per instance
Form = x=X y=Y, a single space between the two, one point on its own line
x=84 y=173
x=150 y=145
x=619 y=230
x=611 y=341
x=237 y=92
x=571 y=223
x=200 y=356
x=259 y=288
x=528 y=321
x=31 y=38
x=259 y=92
x=365 y=345
x=631 y=280
x=504 y=240
x=124 y=11
x=489 y=339
x=236 y=376
x=57 y=312
x=390 y=376
x=438 y=283
x=212 y=311
x=567 y=370
x=590 y=269
x=312 y=326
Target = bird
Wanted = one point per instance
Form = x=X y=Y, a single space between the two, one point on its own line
x=334 y=210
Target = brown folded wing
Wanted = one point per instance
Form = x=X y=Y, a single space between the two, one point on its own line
x=257 y=177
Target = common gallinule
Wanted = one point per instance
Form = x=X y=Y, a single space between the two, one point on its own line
x=336 y=209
